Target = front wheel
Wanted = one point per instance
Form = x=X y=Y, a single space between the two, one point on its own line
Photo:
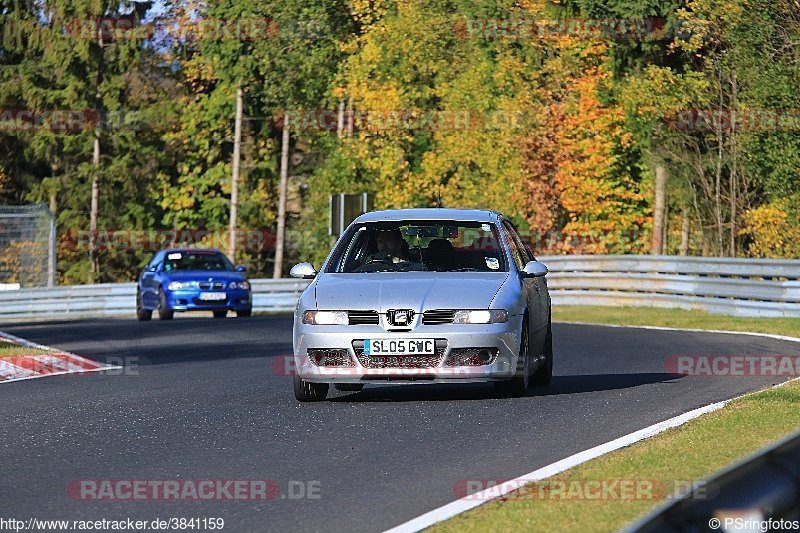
x=222 y=313
x=519 y=384
x=305 y=391
x=244 y=313
x=164 y=312
x=142 y=314
x=544 y=374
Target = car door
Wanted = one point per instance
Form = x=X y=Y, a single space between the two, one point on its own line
x=149 y=282
x=539 y=300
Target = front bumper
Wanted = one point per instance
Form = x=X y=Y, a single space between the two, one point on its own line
x=502 y=337
x=189 y=300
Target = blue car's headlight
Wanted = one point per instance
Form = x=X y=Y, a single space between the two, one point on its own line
x=239 y=285
x=178 y=285
x=481 y=316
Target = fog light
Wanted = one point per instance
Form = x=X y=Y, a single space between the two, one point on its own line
x=471 y=356
x=330 y=357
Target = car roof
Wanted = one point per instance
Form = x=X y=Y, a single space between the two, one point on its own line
x=430 y=213
x=190 y=250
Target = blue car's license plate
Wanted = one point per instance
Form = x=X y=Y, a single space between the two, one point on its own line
x=399 y=347
x=213 y=296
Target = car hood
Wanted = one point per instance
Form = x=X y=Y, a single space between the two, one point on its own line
x=420 y=291
x=203 y=275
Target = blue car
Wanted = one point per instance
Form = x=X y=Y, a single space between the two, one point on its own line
x=190 y=279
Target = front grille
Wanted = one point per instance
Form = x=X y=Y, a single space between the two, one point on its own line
x=362 y=317
x=438 y=316
x=400 y=361
x=208 y=285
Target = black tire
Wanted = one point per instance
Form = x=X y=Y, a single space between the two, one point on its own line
x=349 y=387
x=305 y=391
x=164 y=313
x=222 y=313
x=244 y=313
x=519 y=384
x=544 y=374
x=142 y=314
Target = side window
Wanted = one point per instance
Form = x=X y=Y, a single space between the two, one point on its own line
x=513 y=243
x=527 y=255
x=155 y=261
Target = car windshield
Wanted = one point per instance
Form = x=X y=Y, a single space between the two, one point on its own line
x=196 y=261
x=406 y=246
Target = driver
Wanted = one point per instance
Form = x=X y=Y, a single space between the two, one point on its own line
x=390 y=247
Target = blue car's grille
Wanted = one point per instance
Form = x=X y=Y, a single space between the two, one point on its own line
x=217 y=285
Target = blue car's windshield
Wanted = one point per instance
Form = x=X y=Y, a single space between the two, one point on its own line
x=196 y=260
x=403 y=246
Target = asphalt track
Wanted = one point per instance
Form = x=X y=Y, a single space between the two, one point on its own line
x=205 y=399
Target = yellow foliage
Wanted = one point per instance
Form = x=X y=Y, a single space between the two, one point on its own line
x=773 y=229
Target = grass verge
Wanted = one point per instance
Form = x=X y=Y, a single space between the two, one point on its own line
x=674 y=318
x=9 y=349
x=666 y=461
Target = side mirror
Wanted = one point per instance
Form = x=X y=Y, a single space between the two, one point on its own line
x=534 y=269
x=151 y=269
x=241 y=268
x=303 y=271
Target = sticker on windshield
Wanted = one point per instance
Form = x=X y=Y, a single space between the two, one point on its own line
x=486 y=227
x=174 y=256
x=492 y=262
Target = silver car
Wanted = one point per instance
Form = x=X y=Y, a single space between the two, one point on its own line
x=424 y=296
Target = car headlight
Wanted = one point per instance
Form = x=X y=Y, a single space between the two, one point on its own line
x=325 y=318
x=239 y=285
x=178 y=285
x=481 y=316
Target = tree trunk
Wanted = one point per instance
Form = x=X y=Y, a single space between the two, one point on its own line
x=684 y=248
x=340 y=120
x=718 y=181
x=659 y=212
x=94 y=267
x=237 y=151
x=734 y=181
x=284 y=182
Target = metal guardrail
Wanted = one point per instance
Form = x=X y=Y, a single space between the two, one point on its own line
x=117 y=299
x=762 y=487
x=744 y=287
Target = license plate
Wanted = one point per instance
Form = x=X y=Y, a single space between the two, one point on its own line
x=213 y=296
x=399 y=347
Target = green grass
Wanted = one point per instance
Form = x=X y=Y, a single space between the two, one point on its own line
x=671 y=459
x=687 y=453
x=674 y=318
x=8 y=349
